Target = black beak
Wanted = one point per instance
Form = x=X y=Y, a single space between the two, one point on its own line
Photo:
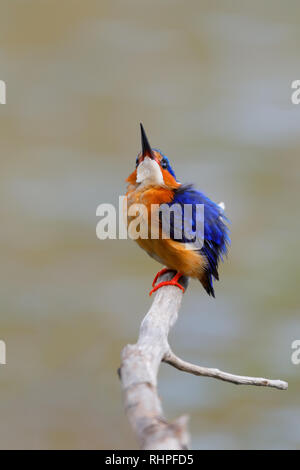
x=146 y=149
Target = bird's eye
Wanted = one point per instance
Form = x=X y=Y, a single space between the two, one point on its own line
x=137 y=161
x=164 y=163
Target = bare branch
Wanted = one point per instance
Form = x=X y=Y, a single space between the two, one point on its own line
x=139 y=369
x=173 y=360
x=140 y=363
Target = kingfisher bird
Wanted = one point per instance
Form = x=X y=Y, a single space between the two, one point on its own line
x=153 y=183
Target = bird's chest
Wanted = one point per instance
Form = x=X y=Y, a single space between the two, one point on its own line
x=143 y=211
x=138 y=215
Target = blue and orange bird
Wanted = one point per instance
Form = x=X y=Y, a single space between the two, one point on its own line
x=153 y=182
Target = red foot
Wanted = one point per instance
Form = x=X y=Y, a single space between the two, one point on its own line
x=172 y=282
x=160 y=273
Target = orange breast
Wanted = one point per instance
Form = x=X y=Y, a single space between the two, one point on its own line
x=174 y=255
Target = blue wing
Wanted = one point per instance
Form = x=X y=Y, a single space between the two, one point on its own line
x=216 y=234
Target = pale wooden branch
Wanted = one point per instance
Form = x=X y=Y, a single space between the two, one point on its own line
x=139 y=369
x=173 y=360
x=138 y=373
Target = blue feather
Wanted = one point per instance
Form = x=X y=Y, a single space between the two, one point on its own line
x=216 y=233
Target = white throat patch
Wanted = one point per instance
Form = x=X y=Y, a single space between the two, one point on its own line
x=149 y=172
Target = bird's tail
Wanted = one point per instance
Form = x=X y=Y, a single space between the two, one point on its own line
x=207 y=283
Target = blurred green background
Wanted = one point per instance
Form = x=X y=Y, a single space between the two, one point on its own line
x=211 y=81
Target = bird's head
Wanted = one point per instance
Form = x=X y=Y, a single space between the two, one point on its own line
x=152 y=167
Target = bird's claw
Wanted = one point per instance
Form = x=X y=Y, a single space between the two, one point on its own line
x=171 y=282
